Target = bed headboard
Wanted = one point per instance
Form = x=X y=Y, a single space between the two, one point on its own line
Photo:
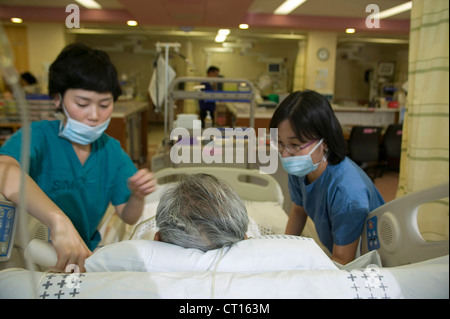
x=250 y=184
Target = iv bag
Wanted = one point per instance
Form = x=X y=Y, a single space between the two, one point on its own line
x=158 y=88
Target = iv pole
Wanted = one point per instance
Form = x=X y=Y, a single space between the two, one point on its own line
x=167 y=47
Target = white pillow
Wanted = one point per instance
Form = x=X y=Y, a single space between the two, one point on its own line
x=266 y=253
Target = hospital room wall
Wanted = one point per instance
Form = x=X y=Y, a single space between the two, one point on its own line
x=44 y=42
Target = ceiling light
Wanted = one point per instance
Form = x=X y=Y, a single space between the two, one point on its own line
x=224 y=32
x=222 y=35
x=288 y=6
x=16 y=20
x=350 y=30
x=243 y=26
x=220 y=38
x=132 y=23
x=395 y=10
x=90 y=4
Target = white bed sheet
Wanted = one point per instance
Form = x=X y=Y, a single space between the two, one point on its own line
x=422 y=280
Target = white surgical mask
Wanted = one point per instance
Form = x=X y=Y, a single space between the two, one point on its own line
x=301 y=165
x=78 y=132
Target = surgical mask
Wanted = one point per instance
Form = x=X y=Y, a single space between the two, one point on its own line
x=301 y=165
x=80 y=133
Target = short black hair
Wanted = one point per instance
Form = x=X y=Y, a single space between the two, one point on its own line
x=311 y=117
x=81 y=67
x=28 y=77
x=212 y=68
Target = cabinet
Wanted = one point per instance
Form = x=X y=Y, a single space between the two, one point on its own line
x=129 y=126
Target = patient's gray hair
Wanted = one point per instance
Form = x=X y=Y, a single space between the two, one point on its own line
x=201 y=212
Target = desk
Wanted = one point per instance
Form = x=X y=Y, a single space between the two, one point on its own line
x=240 y=111
x=359 y=115
x=347 y=116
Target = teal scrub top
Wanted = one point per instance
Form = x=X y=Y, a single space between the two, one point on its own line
x=338 y=202
x=82 y=192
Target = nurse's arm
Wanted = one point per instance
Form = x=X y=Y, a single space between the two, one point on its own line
x=69 y=246
x=296 y=221
x=140 y=184
x=344 y=254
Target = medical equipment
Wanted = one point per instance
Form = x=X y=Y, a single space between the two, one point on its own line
x=12 y=77
x=8 y=225
x=176 y=94
x=392 y=229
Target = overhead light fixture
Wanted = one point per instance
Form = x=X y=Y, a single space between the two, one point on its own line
x=89 y=4
x=16 y=20
x=222 y=35
x=395 y=10
x=132 y=23
x=350 y=30
x=288 y=6
x=224 y=32
x=243 y=26
x=218 y=50
x=220 y=38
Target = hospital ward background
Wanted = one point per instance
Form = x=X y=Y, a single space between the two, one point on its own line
x=385 y=78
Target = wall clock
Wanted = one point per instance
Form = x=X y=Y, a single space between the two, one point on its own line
x=323 y=54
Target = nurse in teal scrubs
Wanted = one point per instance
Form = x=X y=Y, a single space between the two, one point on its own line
x=76 y=170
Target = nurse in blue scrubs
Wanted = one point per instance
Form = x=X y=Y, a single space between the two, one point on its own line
x=324 y=184
x=76 y=170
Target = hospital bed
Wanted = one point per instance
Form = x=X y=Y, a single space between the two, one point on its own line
x=268 y=265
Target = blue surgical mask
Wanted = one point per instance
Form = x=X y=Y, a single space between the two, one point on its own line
x=80 y=133
x=301 y=165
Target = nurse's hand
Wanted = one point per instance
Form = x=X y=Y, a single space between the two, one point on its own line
x=70 y=247
x=142 y=183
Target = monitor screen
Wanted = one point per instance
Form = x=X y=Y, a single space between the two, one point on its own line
x=274 y=67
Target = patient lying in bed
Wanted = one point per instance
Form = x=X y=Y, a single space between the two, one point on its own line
x=202 y=224
x=201 y=212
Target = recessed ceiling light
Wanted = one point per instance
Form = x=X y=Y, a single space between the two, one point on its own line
x=132 y=23
x=350 y=30
x=16 y=20
x=288 y=6
x=243 y=26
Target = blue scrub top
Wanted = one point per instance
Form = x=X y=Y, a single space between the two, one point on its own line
x=338 y=201
x=207 y=105
x=82 y=192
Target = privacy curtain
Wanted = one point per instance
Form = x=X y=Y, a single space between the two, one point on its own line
x=425 y=144
x=300 y=68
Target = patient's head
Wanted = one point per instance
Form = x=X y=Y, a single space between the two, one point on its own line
x=201 y=212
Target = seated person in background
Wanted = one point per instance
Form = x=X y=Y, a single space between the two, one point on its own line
x=29 y=83
x=201 y=212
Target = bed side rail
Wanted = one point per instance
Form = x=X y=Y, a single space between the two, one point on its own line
x=392 y=229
